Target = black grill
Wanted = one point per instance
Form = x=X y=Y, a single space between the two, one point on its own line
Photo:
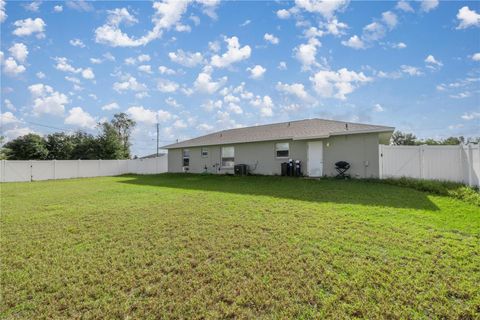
x=342 y=168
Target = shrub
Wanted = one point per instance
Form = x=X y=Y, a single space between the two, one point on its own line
x=443 y=188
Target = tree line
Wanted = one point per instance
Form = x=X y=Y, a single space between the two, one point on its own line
x=409 y=139
x=112 y=142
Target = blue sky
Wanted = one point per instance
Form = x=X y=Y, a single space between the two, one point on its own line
x=202 y=66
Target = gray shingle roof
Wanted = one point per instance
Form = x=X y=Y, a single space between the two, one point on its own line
x=296 y=130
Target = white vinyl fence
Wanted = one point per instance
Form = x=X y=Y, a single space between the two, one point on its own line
x=449 y=163
x=35 y=170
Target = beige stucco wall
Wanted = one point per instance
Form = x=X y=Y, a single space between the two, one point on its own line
x=356 y=149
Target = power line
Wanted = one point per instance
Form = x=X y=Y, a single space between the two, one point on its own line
x=46 y=126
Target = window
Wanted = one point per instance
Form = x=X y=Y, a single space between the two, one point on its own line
x=228 y=156
x=282 y=149
x=186 y=157
x=204 y=152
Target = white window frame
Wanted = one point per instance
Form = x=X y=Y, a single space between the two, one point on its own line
x=282 y=149
x=185 y=157
x=204 y=152
x=222 y=157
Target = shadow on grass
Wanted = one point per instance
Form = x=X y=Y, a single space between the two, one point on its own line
x=327 y=190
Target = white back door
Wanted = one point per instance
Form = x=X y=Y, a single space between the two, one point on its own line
x=315 y=159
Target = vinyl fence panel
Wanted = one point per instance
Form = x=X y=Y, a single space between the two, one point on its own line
x=473 y=164
x=16 y=170
x=447 y=163
x=88 y=168
x=443 y=163
x=66 y=169
x=42 y=170
x=400 y=162
x=19 y=171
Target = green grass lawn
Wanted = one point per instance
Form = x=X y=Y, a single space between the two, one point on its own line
x=194 y=246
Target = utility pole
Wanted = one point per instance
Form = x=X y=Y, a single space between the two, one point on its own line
x=158 y=128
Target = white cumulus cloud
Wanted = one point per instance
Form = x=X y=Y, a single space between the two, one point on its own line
x=399 y=45
x=471 y=116
x=411 y=70
x=354 y=42
x=9 y=105
x=167 y=86
x=265 y=105
x=432 y=62
x=3 y=15
x=271 y=38
x=148 y=116
x=378 y=108
x=168 y=14
x=404 y=6
x=19 y=51
x=8 y=118
x=11 y=67
x=172 y=102
x=143 y=58
x=111 y=106
x=468 y=18
x=234 y=54
x=295 y=89
x=79 y=5
x=187 y=59
x=88 y=74
x=166 y=70
x=337 y=84
x=257 y=71
x=306 y=53
x=129 y=84
x=326 y=8
x=47 y=100
x=145 y=68
x=390 y=19
x=283 y=14
x=428 y=5
x=30 y=26
x=80 y=118
x=77 y=43
x=65 y=66
x=205 y=84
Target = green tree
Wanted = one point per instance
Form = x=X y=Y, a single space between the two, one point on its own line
x=453 y=140
x=110 y=143
x=3 y=151
x=60 y=146
x=430 y=142
x=448 y=141
x=85 y=146
x=399 y=138
x=124 y=126
x=27 y=147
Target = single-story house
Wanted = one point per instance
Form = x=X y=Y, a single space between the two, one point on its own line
x=153 y=155
x=317 y=143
